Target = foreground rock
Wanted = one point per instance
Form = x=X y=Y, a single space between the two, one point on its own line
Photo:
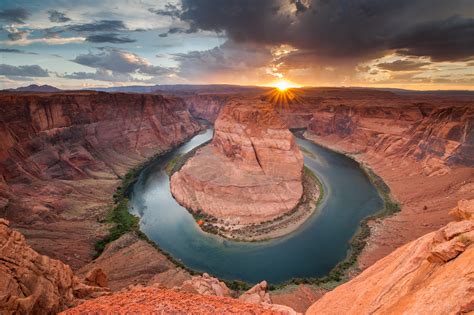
x=431 y=275
x=36 y=284
x=257 y=294
x=206 y=285
x=155 y=300
x=250 y=173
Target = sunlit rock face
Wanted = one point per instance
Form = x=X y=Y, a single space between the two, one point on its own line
x=430 y=275
x=251 y=172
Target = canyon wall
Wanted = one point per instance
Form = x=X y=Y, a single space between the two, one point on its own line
x=250 y=173
x=62 y=156
x=207 y=106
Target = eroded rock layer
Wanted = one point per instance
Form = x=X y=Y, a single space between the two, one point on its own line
x=251 y=172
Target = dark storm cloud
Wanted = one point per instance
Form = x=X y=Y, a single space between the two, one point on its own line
x=100 y=26
x=451 y=38
x=109 y=38
x=241 y=20
x=119 y=61
x=402 y=65
x=15 y=51
x=170 y=10
x=177 y=30
x=340 y=29
x=16 y=15
x=23 y=71
x=58 y=17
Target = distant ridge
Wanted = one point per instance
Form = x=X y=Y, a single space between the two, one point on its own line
x=35 y=88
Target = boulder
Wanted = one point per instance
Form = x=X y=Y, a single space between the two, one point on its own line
x=257 y=294
x=206 y=285
x=97 y=277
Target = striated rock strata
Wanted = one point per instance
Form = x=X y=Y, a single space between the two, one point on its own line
x=251 y=172
x=431 y=275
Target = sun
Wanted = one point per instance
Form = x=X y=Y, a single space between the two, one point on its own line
x=284 y=85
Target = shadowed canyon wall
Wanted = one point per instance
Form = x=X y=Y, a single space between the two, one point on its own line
x=62 y=156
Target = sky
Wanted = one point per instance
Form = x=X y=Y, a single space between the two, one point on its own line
x=413 y=44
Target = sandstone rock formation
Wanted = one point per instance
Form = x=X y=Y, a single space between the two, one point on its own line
x=257 y=294
x=420 y=145
x=36 y=284
x=205 y=285
x=464 y=210
x=62 y=155
x=97 y=277
x=431 y=275
x=251 y=172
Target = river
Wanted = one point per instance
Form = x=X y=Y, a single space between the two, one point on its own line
x=312 y=251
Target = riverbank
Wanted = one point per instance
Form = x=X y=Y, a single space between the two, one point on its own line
x=119 y=218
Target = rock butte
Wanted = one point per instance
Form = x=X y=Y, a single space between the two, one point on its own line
x=250 y=173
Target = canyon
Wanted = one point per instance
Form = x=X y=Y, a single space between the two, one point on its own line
x=63 y=155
